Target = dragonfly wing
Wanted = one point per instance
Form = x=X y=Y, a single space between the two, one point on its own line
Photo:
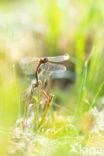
x=59 y=58
x=29 y=65
x=50 y=67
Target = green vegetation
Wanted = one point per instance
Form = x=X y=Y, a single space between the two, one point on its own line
x=73 y=119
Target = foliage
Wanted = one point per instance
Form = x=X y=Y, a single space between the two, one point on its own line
x=75 y=116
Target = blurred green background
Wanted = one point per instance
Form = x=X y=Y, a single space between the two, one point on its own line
x=49 y=28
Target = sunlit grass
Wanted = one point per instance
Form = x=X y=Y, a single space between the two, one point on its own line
x=37 y=28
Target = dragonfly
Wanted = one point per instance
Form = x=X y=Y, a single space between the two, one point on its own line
x=32 y=65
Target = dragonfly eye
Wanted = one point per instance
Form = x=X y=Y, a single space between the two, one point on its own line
x=45 y=60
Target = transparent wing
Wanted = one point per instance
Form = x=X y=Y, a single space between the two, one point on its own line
x=29 y=65
x=50 y=67
x=58 y=58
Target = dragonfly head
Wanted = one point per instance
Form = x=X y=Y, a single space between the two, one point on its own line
x=45 y=60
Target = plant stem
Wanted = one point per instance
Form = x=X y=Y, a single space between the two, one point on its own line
x=46 y=109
